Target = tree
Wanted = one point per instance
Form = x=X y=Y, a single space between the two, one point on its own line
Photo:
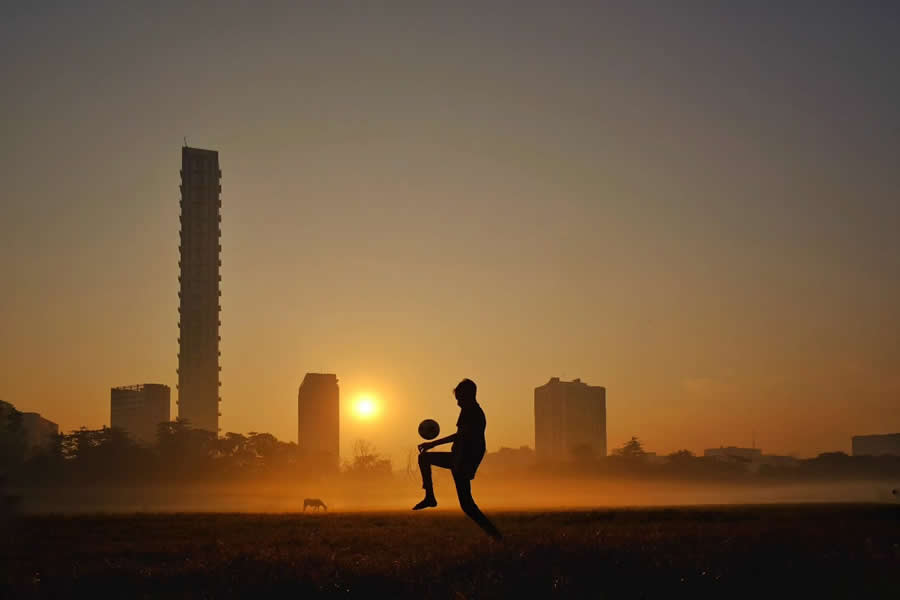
x=12 y=437
x=231 y=447
x=185 y=450
x=104 y=454
x=366 y=460
x=632 y=449
x=682 y=456
x=263 y=445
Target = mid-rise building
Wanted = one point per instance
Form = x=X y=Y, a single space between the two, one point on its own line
x=39 y=433
x=198 y=312
x=876 y=445
x=318 y=419
x=569 y=420
x=139 y=409
x=35 y=433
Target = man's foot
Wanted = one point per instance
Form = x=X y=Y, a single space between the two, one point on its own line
x=428 y=502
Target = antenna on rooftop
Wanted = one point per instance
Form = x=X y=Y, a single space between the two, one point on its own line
x=185 y=141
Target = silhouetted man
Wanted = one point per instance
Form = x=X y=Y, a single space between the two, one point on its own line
x=463 y=459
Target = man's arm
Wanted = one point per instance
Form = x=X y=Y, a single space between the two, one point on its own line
x=444 y=440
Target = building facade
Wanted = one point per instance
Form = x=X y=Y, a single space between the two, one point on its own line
x=876 y=445
x=198 y=312
x=569 y=420
x=39 y=433
x=139 y=409
x=318 y=419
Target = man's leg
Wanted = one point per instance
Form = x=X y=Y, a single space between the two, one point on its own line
x=467 y=503
x=426 y=460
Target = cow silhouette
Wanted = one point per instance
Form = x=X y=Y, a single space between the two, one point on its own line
x=314 y=504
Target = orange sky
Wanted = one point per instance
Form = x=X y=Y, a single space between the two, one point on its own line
x=697 y=211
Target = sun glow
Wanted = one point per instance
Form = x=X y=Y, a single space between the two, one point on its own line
x=365 y=407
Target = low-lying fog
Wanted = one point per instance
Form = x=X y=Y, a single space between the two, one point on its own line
x=401 y=491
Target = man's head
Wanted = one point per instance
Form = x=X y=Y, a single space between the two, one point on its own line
x=465 y=391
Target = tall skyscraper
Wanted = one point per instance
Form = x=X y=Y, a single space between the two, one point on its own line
x=318 y=419
x=569 y=420
x=139 y=409
x=199 y=250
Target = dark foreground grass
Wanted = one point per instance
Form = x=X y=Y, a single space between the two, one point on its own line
x=768 y=552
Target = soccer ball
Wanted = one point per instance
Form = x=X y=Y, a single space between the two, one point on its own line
x=429 y=429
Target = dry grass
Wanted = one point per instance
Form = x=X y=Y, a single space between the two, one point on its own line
x=774 y=551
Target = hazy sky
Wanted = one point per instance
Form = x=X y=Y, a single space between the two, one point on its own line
x=694 y=204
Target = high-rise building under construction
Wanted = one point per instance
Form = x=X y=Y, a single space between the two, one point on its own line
x=198 y=311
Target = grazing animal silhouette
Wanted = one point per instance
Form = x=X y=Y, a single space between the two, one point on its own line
x=314 y=504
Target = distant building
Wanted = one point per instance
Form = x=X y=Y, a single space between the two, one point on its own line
x=569 y=420
x=318 y=419
x=509 y=459
x=876 y=445
x=35 y=432
x=751 y=458
x=198 y=294
x=139 y=409
x=655 y=459
x=733 y=453
x=39 y=433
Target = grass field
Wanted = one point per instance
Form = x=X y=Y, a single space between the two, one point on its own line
x=802 y=551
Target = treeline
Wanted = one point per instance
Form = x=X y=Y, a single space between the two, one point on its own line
x=831 y=466
x=631 y=461
x=183 y=454
x=180 y=454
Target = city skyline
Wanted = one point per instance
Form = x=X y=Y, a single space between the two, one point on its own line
x=432 y=202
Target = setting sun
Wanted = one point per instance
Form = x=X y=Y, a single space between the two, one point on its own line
x=365 y=407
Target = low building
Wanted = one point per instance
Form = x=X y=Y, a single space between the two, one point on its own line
x=654 y=459
x=876 y=445
x=139 y=409
x=40 y=433
x=509 y=459
x=734 y=454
